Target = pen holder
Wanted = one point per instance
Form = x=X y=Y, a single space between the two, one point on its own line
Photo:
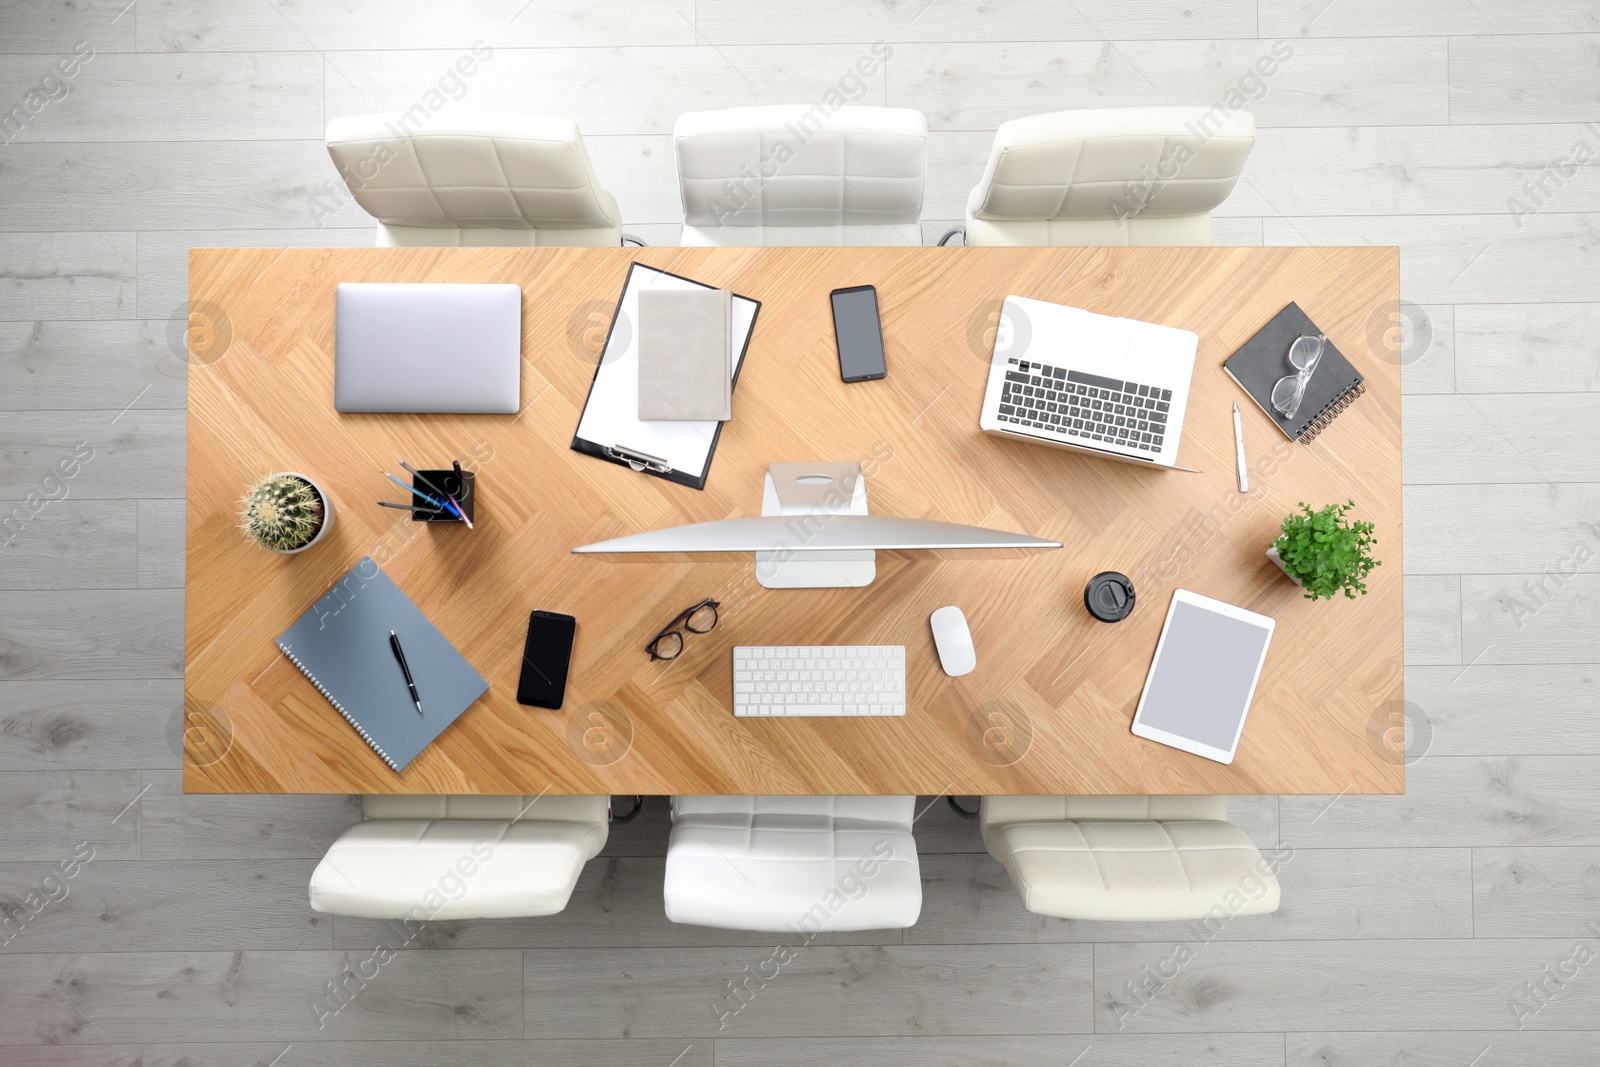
x=462 y=486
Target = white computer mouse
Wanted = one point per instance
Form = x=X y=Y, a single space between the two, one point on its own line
x=954 y=641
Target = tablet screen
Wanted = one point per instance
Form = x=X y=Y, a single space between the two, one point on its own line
x=1200 y=687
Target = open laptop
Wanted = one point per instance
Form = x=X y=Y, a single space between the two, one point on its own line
x=1092 y=383
x=434 y=348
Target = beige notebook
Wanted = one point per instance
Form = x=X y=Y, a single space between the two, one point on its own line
x=685 y=354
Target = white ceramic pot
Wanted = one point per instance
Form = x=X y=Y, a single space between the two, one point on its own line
x=1277 y=560
x=327 y=512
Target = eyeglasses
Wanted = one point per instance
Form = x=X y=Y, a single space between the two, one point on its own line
x=699 y=619
x=1304 y=355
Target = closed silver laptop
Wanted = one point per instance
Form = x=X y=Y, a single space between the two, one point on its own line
x=432 y=348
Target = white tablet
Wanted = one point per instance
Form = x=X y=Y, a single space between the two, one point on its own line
x=1205 y=671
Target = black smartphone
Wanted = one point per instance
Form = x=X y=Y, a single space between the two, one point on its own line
x=858 y=334
x=545 y=657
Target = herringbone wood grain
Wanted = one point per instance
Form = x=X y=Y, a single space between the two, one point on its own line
x=1048 y=708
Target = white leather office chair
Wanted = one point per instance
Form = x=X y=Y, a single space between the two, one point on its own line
x=1131 y=858
x=797 y=175
x=474 y=179
x=793 y=864
x=1116 y=176
x=460 y=857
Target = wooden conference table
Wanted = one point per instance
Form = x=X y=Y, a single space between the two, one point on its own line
x=1048 y=708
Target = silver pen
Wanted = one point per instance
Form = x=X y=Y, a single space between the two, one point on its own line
x=1238 y=443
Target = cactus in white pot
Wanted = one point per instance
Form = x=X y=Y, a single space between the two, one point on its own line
x=286 y=513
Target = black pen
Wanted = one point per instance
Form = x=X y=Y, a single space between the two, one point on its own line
x=461 y=480
x=399 y=654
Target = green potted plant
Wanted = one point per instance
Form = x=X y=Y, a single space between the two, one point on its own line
x=286 y=513
x=1323 y=553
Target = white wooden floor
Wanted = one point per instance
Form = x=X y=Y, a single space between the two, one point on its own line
x=1411 y=928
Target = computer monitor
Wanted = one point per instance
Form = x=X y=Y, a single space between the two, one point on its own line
x=815 y=532
x=818 y=533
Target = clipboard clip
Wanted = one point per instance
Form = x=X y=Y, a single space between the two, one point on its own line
x=639 y=461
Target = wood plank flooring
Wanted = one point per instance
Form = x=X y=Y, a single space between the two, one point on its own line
x=1414 y=929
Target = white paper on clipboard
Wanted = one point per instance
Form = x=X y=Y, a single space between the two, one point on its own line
x=611 y=416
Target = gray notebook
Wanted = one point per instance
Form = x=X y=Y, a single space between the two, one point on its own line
x=1263 y=359
x=686 y=354
x=342 y=645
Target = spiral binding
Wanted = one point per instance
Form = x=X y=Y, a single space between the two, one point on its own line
x=339 y=708
x=1332 y=412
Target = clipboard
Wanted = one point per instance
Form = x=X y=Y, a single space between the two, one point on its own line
x=610 y=428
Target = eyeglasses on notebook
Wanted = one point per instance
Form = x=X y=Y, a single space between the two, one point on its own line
x=1304 y=355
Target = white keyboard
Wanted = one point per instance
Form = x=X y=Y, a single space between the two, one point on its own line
x=773 y=680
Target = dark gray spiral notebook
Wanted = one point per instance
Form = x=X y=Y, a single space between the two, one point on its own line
x=1264 y=359
x=342 y=644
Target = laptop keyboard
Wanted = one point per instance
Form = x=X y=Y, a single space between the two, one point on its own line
x=1087 y=407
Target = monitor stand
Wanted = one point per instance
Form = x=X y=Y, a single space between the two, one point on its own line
x=811 y=492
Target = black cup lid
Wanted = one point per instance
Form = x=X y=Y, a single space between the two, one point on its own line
x=1109 y=596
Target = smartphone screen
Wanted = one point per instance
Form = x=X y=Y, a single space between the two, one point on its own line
x=545 y=656
x=857 y=334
